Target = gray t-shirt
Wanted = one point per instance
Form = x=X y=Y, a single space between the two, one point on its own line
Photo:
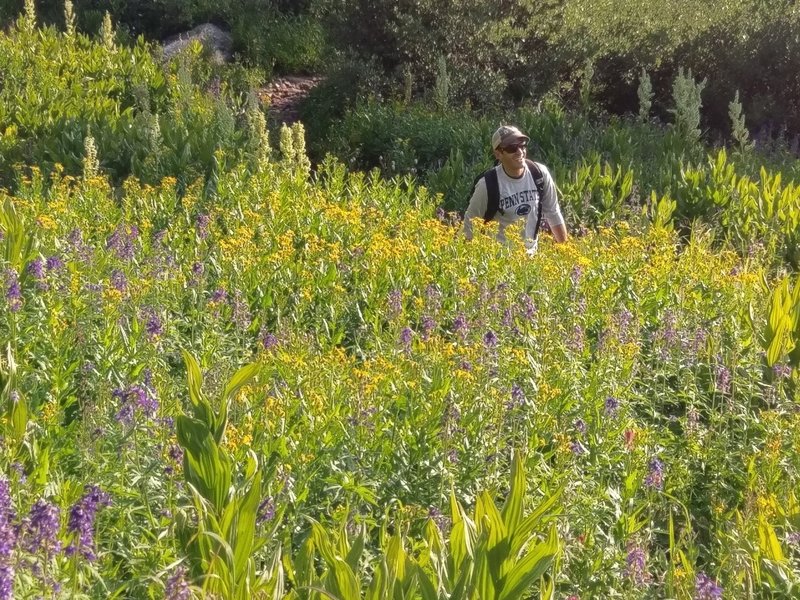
x=519 y=199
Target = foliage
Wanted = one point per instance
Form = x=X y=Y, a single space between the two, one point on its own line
x=686 y=95
x=276 y=41
x=142 y=118
x=739 y=131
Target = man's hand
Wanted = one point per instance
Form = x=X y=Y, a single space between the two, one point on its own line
x=560 y=233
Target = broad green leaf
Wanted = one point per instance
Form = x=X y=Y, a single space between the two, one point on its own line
x=356 y=550
x=19 y=415
x=484 y=581
x=195 y=379
x=526 y=528
x=427 y=585
x=488 y=518
x=396 y=558
x=246 y=525
x=768 y=541
x=241 y=378
x=377 y=587
x=512 y=508
x=530 y=567
x=205 y=465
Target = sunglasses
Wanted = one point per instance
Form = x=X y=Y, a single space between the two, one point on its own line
x=512 y=148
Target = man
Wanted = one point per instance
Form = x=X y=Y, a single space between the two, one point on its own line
x=516 y=192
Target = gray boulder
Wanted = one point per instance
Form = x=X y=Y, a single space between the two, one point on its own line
x=218 y=43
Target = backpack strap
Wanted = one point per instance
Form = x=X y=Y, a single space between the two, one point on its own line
x=492 y=195
x=538 y=179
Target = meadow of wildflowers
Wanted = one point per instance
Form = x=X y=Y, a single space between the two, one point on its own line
x=305 y=355
x=277 y=383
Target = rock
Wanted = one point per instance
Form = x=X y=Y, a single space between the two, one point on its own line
x=217 y=42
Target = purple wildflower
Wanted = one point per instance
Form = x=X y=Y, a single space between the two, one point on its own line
x=122 y=240
x=201 y=225
x=580 y=426
x=793 y=538
x=81 y=522
x=241 y=312
x=268 y=340
x=54 y=263
x=428 y=325
x=17 y=466
x=153 y=326
x=42 y=528
x=576 y=274
x=611 y=406
x=78 y=248
x=136 y=397
x=528 y=308
x=434 y=297
x=405 y=336
x=266 y=510
x=577 y=339
x=706 y=588
x=177 y=588
x=782 y=371
x=219 y=296
x=655 y=475
x=517 y=397
x=394 y=302
x=175 y=453
x=442 y=521
x=8 y=541
x=578 y=449
x=490 y=339
x=118 y=280
x=13 y=291
x=722 y=378
x=451 y=417
x=460 y=326
x=36 y=268
x=635 y=564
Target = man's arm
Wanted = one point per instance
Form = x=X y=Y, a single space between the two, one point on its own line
x=551 y=208
x=476 y=208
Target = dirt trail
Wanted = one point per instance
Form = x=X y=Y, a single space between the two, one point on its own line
x=283 y=95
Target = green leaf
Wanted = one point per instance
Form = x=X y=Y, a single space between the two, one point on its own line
x=523 y=532
x=195 y=379
x=241 y=378
x=484 y=582
x=245 y=530
x=530 y=567
x=396 y=558
x=768 y=541
x=512 y=507
x=354 y=554
x=205 y=465
x=426 y=585
x=19 y=415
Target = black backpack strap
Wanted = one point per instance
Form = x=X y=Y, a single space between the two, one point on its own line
x=492 y=195
x=538 y=179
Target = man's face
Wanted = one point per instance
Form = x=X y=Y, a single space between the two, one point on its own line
x=512 y=155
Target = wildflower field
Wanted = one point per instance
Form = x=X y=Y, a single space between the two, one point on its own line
x=311 y=386
x=227 y=375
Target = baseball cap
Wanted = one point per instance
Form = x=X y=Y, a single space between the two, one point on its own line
x=507 y=134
